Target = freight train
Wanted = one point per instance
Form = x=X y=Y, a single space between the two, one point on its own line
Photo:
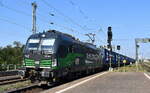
x=52 y=55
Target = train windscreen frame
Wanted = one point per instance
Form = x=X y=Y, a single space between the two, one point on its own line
x=33 y=44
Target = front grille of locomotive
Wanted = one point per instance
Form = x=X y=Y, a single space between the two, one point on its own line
x=41 y=64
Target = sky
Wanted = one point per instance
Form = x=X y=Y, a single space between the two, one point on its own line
x=129 y=19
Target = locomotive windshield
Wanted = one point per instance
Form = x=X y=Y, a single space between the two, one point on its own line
x=41 y=44
x=33 y=44
x=47 y=44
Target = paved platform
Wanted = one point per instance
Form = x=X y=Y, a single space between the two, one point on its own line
x=112 y=82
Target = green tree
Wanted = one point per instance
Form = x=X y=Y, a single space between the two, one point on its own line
x=11 y=55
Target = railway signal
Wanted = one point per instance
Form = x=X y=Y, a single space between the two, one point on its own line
x=109 y=33
x=118 y=47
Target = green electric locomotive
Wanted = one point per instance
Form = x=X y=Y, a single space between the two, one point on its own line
x=52 y=55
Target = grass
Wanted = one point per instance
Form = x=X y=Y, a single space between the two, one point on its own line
x=4 y=88
x=131 y=68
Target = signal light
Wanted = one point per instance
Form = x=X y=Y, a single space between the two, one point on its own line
x=118 y=47
x=109 y=34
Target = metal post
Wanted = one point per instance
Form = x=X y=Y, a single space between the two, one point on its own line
x=124 y=67
x=7 y=67
x=15 y=67
x=110 y=67
x=136 y=47
x=34 y=6
x=118 y=62
x=110 y=57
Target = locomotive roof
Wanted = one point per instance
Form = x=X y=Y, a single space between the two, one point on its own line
x=66 y=36
x=50 y=33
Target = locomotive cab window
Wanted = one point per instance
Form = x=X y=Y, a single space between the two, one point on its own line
x=32 y=44
x=47 y=44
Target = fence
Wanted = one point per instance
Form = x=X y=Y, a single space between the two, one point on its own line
x=7 y=67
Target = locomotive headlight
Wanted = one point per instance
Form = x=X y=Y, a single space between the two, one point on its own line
x=24 y=63
x=37 y=62
x=54 y=63
x=43 y=35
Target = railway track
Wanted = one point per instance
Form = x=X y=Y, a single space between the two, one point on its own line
x=8 y=73
x=7 y=78
x=10 y=79
x=34 y=88
x=25 y=89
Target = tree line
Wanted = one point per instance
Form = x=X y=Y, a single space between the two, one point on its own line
x=11 y=54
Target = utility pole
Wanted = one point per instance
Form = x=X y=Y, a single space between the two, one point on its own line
x=118 y=48
x=110 y=47
x=34 y=6
x=91 y=36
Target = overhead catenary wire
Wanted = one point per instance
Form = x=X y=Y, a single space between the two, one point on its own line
x=79 y=9
x=52 y=23
x=15 y=10
x=26 y=14
x=14 y=23
x=122 y=39
x=41 y=19
x=56 y=24
x=99 y=40
x=85 y=16
x=21 y=12
x=65 y=16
